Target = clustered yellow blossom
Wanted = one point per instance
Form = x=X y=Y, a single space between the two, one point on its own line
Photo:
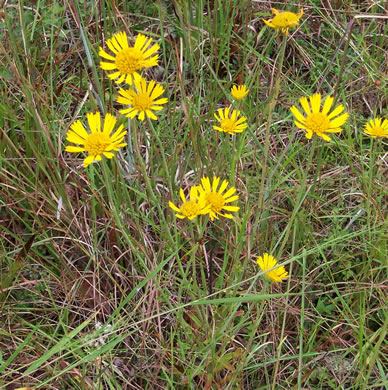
x=207 y=198
x=125 y=62
x=283 y=21
x=230 y=123
x=99 y=141
x=377 y=128
x=319 y=121
x=142 y=101
x=190 y=208
x=268 y=264
x=239 y=92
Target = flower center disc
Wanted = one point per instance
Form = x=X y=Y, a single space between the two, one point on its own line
x=142 y=101
x=227 y=125
x=96 y=143
x=190 y=209
x=378 y=131
x=216 y=201
x=318 y=122
x=285 y=19
x=129 y=60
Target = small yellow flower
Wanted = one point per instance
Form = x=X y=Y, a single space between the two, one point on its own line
x=267 y=263
x=216 y=199
x=127 y=61
x=232 y=124
x=98 y=141
x=190 y=208
x=239 y=92
x=377 y=129
x=319 y=122
x=283 y=20
x=144 y=101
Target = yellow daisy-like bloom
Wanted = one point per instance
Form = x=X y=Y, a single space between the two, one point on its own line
x=232 y=124
x=190 y=208
x=98 y=141
x=127 y=61
x=266 y=263
x=377 y=128
x=239 y=92
x=283 y=20
x=215 y=198
x=144 y=101
x=319 y=122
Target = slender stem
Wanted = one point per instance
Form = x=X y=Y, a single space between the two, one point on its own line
x=302 y=194
x=162 y=153
x=343 y=60
x=271 y=107
x=143 y=169
x=130 y=148
x=301 y=327
x=236 y=154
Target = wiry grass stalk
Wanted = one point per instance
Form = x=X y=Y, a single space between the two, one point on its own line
x=274 y=93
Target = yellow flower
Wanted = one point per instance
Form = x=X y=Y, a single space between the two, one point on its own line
x=377 y=129
x=216 y=199
x=232 y=124
x=126 y=60
x=267 y=263
x=98 y=141
x=239 y=92
x=190 y=208
x=283 y=20
x=143 y=101
x=319 y=122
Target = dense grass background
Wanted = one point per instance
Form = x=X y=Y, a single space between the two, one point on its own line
x=103 y=288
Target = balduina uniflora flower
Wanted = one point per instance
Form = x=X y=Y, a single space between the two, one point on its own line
x=127 y=61
x=143 y=101
x=216 y=199
x=190 y=208
x=319 y=122
x=377 y=128
x=230 y=123
x=98 y=142
x=267 y=263
x=283 y=20
x=239 y=92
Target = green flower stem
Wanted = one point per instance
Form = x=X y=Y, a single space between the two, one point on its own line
x=302 y=194
x=271 y=107
x=115 y=208
x=162 y=153
x=153 y=198
x=236 y=156
x=94 y=206
x=301 y=324
x=130 y=160
x=372 y=160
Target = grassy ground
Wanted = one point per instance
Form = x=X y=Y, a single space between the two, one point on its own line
x=103 y=288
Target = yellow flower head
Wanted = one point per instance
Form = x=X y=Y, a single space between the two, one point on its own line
x=98 y=141
x=319 y=122
x=144 y=101
x=377 y=129
x=266 y=263
x=230 y=124
x=190 y=208
x=283 y=20
x=127 y=61
x=239 y=92
x=215 y=198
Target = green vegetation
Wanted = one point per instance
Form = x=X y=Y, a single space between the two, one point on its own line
x=102 y=287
